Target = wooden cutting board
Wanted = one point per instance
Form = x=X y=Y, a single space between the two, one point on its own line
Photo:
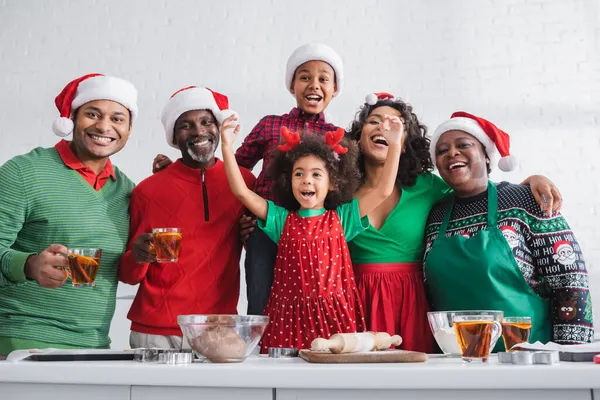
x=386 y=356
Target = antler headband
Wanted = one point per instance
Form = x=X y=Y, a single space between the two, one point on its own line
x=291 y=139
x=332 y=138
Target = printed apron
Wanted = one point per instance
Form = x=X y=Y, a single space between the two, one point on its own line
x=480 y=273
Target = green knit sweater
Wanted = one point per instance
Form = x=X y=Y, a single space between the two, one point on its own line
x=42 y=202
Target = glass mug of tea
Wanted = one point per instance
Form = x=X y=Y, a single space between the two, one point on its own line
x=477 y=334
x=84 y=264
x=166 y=243
x=515 y=330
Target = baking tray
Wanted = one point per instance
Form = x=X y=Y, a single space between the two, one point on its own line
x=70 y=355
x=577 y=356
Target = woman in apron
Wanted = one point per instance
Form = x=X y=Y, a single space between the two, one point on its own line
x=490 y=246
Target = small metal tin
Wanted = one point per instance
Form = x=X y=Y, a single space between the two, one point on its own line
x=522 y=357
x=164 y=356
x=282 y=352
x=529 y=357
x=545 y=357
x=505 y=358
x=173 y=357
x=146 y=355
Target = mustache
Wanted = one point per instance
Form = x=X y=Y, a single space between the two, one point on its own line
x=194 y=140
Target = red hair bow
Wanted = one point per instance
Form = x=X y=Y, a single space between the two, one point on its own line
x=333 y=139
x=291 y=139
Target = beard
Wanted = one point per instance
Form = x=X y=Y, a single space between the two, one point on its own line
x=203 y=157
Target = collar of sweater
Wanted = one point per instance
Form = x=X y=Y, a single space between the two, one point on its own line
x=194 y=175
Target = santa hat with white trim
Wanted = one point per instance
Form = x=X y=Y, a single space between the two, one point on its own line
x=508 y=228
x=89 y=88
x=372 y=98
x=193 y=98
x=495 y=141
x=560 y=245
x=315 y=52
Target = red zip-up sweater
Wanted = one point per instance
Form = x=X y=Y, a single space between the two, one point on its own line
x=206 y=279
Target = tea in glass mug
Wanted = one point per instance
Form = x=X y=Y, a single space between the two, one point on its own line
x=515 y=330
x=477 y=334
x=166 y=242
x=84 y=264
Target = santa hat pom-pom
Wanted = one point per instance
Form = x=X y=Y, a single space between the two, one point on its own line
x=224 y=114
x=62 y=126
x=508 y=163
x=371 y=99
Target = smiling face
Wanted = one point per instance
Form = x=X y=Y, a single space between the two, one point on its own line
x=101 y=129
x=197 y=135
x=314 y=86
x=461 y=161
x=310 y=182
x=372 y=144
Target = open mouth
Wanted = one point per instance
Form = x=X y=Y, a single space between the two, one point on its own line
x=306 y=195
x=313 y=98
x=200 y=142
x=379 y=139
x=457 y=165
x=100 y=139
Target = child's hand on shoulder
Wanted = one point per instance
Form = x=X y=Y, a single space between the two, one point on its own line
x=393 y=129
x=229 y=130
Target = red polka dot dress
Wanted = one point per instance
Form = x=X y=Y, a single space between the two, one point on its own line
x=314 y=293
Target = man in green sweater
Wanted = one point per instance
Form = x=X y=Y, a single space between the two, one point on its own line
x=63 y=197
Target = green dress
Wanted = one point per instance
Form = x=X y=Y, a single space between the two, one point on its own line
x=388 y=269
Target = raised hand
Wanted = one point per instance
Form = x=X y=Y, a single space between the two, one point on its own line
x=48 y=268
x=229 y=130
x=142 y=249
x=393 y=129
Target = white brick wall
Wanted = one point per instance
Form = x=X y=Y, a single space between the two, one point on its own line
x=532 y=66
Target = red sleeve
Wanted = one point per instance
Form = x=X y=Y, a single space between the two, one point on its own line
x=130 y=271
x=252 y=149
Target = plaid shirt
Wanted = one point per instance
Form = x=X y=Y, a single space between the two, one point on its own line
x=265 y=137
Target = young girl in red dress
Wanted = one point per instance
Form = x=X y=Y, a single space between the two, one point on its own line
x=314 y=293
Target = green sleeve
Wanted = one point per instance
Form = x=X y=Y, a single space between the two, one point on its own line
x=352 y=223
x=273 y=225
x=13 y=210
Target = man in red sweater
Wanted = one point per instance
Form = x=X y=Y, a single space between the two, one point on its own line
x=191 y=194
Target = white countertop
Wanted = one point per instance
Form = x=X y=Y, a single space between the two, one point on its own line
x=262 y=372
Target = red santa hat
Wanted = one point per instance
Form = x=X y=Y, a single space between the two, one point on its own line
x=560 y=245
x=508 y=228
x=372 y=98
x=495 y=141
x=193 y=98
x=315 y=52
x=89 y=88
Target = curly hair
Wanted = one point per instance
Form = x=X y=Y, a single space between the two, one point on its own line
x=344 y=175
x=415 y=158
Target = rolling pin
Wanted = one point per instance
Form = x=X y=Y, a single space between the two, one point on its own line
x=356 y=342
